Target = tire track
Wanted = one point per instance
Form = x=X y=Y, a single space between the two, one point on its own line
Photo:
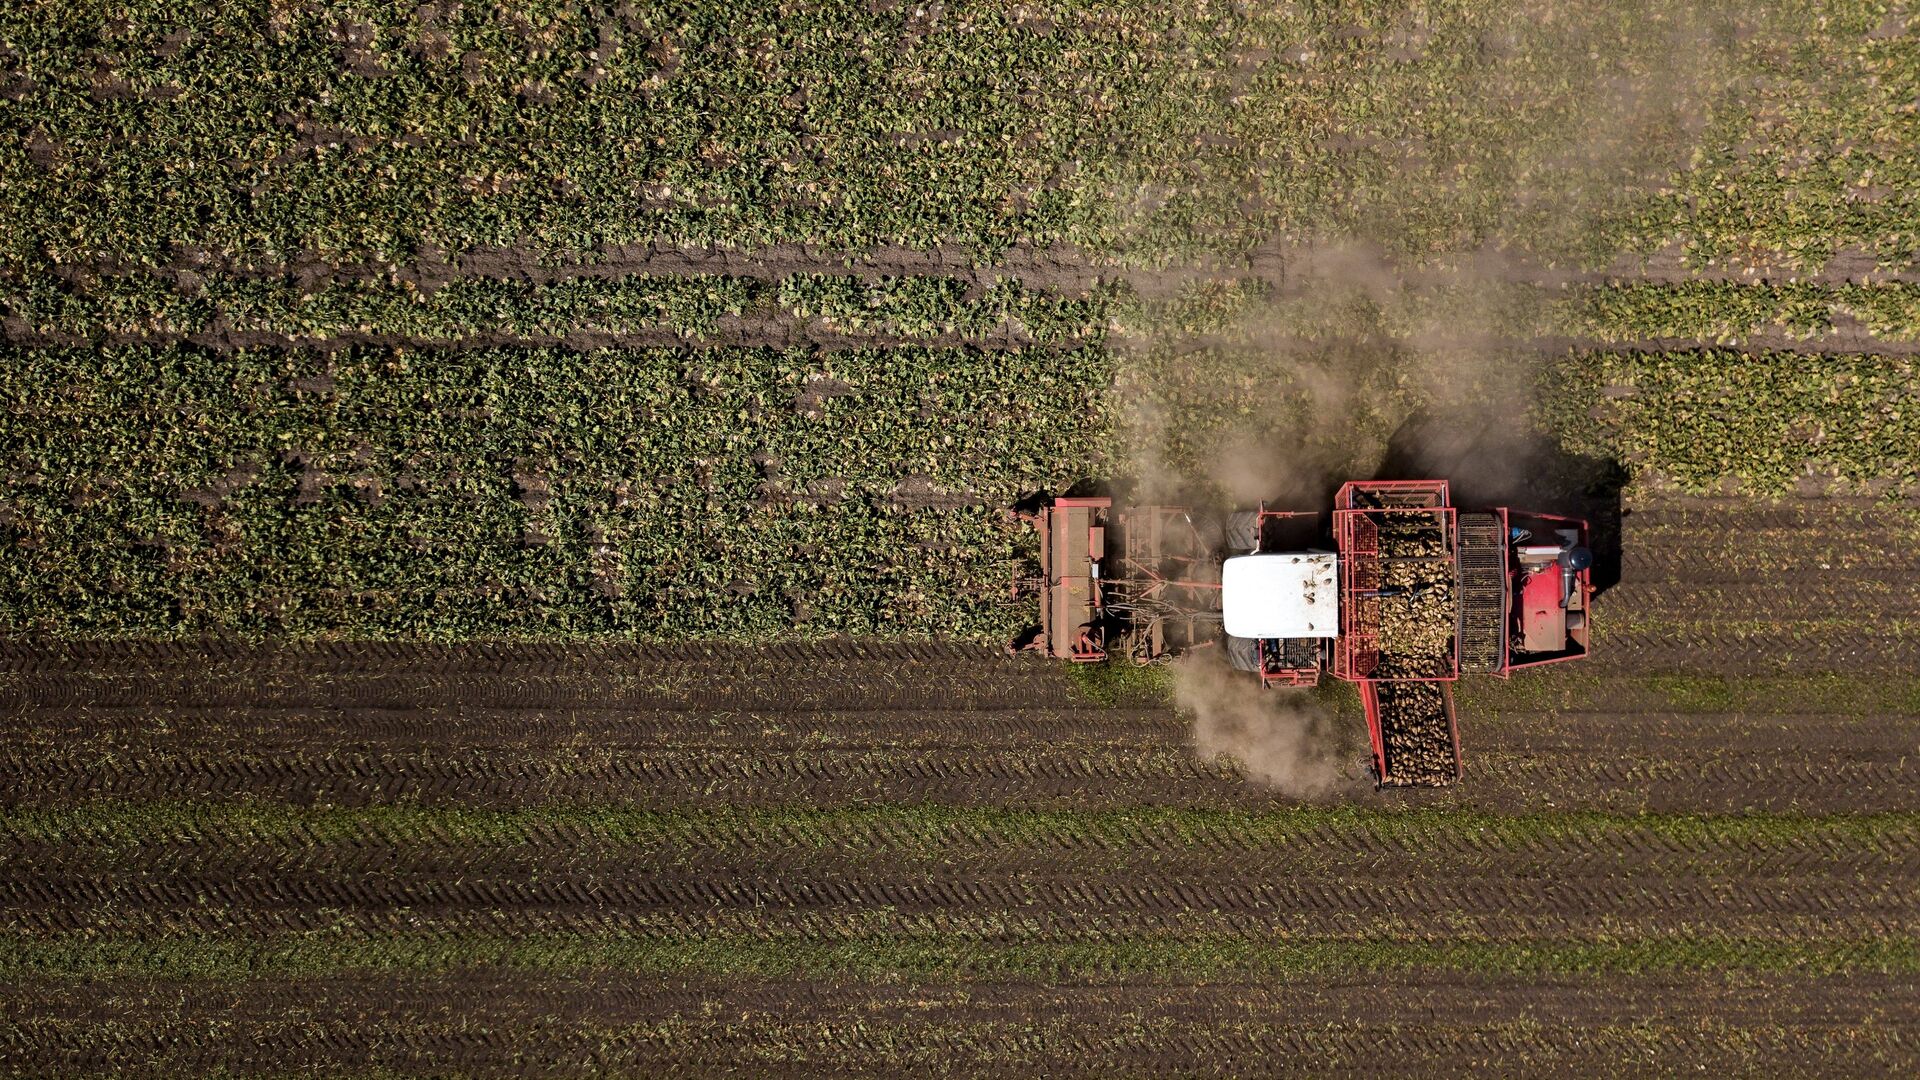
x=745 y=845
x=1846 y=1025
x=1041 y=907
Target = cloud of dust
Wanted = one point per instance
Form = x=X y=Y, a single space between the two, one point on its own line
x=1348 y=372
x=1281 y=739
x=1317 y=385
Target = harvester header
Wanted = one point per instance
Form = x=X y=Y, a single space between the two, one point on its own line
x=1393 y=589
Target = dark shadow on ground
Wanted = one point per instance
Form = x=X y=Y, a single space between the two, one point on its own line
x=1525 y=470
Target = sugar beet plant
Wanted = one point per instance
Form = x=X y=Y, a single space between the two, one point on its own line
x=654 y=493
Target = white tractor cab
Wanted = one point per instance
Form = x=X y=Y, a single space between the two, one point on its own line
x=1279 y=609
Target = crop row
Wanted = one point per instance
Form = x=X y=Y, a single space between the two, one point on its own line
x=147 y=305
x=1761 y=421
x=663 y=492
x=363 y=131
x=357 y=133
x=660 y=493
x=89 y=305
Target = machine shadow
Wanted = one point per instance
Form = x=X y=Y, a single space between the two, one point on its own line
x=1489 y=467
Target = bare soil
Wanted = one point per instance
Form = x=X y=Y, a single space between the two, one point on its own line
x=524 y=1024
x=713 y=739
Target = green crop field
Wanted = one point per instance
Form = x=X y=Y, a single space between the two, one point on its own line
x=568 y=321
x=507 y=517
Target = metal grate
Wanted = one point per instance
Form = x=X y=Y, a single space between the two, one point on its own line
x=1483 y=593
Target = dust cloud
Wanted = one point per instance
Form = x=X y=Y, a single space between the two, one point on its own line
x=1281 y=739
x=1365 y=358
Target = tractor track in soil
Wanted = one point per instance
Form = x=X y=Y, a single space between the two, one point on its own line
x=1507 y=773
x=1836 y=1025
x=164 y=728
x=1035 y=907
x=862 y=734
x=837 y=723
x=999 y=844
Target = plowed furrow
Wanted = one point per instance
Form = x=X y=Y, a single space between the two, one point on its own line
x=1441 y=997
x=890 y=1045
x=68 y=895
x=1688 y=737
x=632 y=848
x=1875 y=599
x=930 y=686
x=1707 y=650
x=165 y=728
x=963 y=777
x=1822 y=783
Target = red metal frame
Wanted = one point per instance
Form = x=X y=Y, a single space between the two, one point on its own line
x=1420 y=494
x=1079 y=652
x=1354 y=655
x=1302 y=677
x=1357 y=650
x=1583 y=580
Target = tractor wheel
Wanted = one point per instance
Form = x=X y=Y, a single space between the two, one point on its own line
x=1243 y=532
x=1243 y=653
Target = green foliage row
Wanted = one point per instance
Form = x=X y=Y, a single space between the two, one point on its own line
x=1724 y=312
x=360 y=130
x=1229 y=309
x=654 y=494
x=1760 y=421
x=145 y=305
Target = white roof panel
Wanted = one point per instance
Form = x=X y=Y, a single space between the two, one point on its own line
x=1281 y=595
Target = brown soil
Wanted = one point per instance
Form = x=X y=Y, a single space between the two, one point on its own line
x=515 y=1024
x=699 y=728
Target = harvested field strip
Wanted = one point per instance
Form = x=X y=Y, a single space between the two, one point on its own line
x=42 y=874
x=1545 y=773
x=120 y=678
x=1396 y=999
x=758 y=956
x=1573 y=692
x=1695 y=649
x=1870 y=601
x=951 y=726
x=1781 y=518
x=1452 y=834
x=175 y=728
x=1113 y=777
x=323 y=676
x=1563 y=767
x=1004 y=692
x=674 y=1026
x=1010 y=878
x=996 y=914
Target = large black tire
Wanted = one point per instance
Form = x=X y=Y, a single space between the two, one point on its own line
x=1242 y=532
x=1243 y=653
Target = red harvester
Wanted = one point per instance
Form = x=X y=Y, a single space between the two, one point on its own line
x=1412 y=591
